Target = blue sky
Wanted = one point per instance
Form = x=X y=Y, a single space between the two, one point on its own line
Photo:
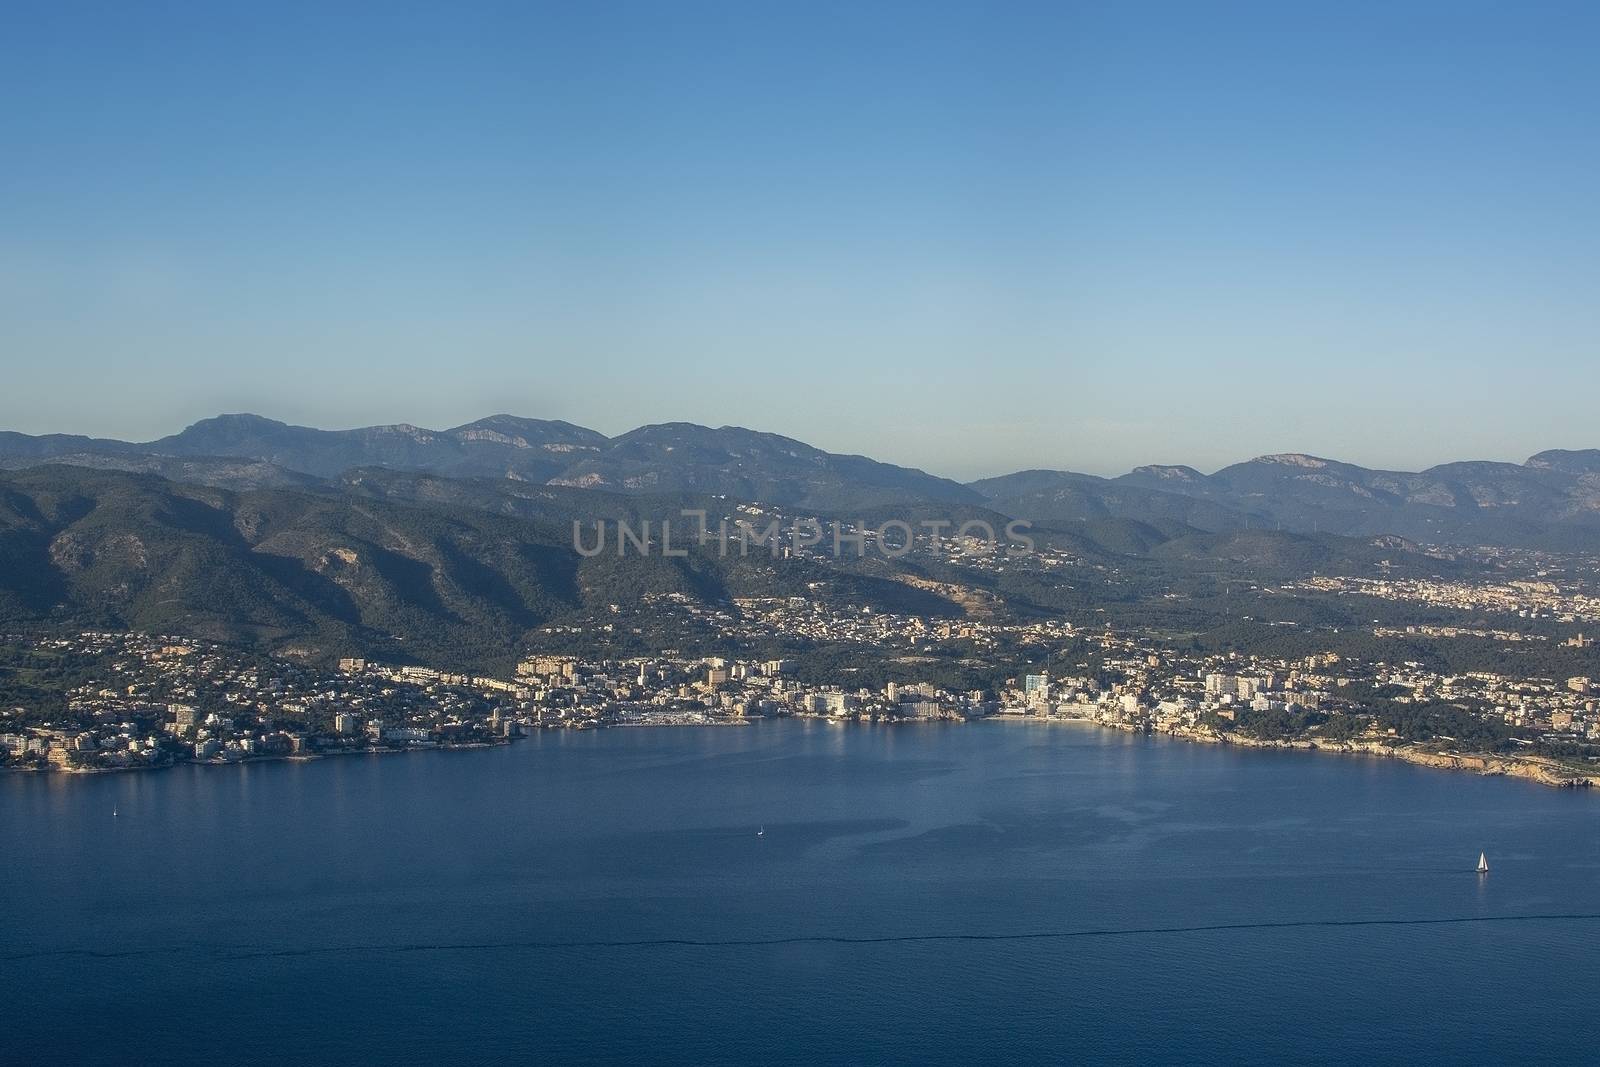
x=971 y=238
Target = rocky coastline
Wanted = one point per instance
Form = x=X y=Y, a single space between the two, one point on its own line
x=1532 y=768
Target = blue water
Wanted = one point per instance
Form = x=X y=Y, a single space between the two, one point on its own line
x=934 y=894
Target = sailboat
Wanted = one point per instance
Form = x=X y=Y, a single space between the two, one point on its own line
x=1483 y=863
x=761 y=832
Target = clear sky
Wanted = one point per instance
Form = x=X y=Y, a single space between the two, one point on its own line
x=967 y=237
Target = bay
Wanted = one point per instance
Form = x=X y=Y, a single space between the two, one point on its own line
x=798 y=892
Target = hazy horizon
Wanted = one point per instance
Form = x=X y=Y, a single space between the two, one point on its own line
x=963 y=239
x=824 y=445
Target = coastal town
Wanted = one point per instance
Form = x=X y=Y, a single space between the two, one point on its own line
x=141 y=701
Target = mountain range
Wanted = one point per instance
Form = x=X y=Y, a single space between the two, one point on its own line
x=665 y=458
x=1552 y=500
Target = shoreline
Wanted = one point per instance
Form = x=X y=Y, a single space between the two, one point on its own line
x=1530 y=768
x=290 y=757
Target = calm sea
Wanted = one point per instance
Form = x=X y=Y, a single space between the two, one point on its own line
x=798 y=892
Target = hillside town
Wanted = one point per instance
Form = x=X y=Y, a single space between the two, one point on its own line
x=140 y=701
x=1524 y=598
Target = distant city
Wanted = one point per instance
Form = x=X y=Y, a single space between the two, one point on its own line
x=151 y=701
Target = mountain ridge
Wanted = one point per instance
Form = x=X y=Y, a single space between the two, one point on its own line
x=1552 y=496
x=661 y=457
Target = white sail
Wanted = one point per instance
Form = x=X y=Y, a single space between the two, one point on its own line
x=1483 y=862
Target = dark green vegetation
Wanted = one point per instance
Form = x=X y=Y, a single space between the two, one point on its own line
x=471 y=571
x=407 y=568
x=35 y=680
x=455 y=547
x=318 y=574
x=468 y=572
x=1411 y=723
x=1461 y=727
